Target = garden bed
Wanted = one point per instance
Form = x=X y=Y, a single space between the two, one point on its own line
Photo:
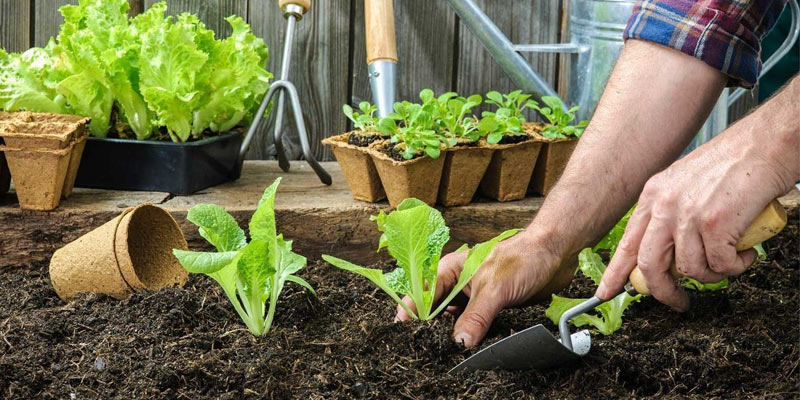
x=740 y=342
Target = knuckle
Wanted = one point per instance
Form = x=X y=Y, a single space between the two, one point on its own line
x=475 y=319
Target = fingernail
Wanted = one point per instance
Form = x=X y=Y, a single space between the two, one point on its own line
x=464 y=338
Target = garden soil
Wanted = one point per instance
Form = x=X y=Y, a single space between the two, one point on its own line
x=741 y=342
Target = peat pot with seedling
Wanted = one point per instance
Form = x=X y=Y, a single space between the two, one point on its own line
x=351 y=152
x=515 y=149
x=167 y=100
x=559 y=141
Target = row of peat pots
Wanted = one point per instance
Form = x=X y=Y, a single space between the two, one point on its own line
x=502 y=172
x=42 y=152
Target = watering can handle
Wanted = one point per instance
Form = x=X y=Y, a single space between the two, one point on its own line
x=305 y=4
x=766 y=225
x=794 y=32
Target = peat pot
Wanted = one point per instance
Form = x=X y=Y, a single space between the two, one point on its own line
x=358 y=168
x=418 y=177
x=177 y=168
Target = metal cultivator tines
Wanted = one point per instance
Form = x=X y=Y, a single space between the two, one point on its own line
x=293 y=11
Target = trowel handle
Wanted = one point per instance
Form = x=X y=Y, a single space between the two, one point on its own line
x=381 y=40
x=766 y=225
x=306 y=4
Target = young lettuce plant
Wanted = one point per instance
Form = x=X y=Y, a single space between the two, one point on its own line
x=250 y=274
x=454 y=116
x=414 y=235
x=412 y=128
x=365 y=121
x=559 y=118
x=507 y=120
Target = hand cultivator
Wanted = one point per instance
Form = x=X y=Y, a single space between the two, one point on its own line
x=293 y=11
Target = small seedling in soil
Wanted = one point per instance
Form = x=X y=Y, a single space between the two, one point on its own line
x=454 y=116
x=590 y=263
x=505 y=124
x=365 y=122
x=414 y=235
x=250 y=273
x=413 y=128
x=559 y=118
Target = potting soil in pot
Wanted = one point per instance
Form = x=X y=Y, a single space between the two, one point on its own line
x=736 y=343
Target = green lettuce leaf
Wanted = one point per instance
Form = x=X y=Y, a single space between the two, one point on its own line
x=198 y=262
x=26 y=82
x=218 y=227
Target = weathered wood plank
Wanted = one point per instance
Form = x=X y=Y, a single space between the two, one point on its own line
x=211 y=12
x=320 y=63
x=15 y=28
x=524 y=22
x=321 y=219
x=425 y=47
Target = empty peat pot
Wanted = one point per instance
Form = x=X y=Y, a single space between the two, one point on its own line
x=131 y=253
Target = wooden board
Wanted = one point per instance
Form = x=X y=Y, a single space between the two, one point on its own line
x=320 y=67
x=15 y=25
x=211 y=12
x=523 y=22
x=321 y=219
x=426 y=48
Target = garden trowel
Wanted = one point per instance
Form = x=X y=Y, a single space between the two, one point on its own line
x=537 y=348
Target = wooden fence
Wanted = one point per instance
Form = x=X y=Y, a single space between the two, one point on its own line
x=329 y=61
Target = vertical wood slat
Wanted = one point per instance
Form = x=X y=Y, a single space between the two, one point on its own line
x=425 y=46
x=15 y=28
x=523 y=22
x=320 y=66
x=211 y=12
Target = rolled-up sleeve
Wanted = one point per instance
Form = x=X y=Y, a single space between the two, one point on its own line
x=725 y=34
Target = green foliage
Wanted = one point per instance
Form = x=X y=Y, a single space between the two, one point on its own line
x=609 y=317
x=156 y=71
x=559 y=118
x=250 y=274
x=454 y=117
x=365 y=121
x=507 y=119
x=414 y=236
x=412 y=127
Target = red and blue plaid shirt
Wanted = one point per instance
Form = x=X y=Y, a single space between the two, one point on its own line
x=725 y=34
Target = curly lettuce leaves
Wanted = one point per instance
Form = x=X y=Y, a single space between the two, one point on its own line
x=253 y=274
x=414 y=235
x=148 y=72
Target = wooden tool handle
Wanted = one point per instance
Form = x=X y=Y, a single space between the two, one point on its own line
x=771 y=221
x=381 y=40
x=306 y=4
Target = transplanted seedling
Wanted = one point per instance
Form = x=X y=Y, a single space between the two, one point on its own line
x=559 y=118
x=414 y=235
x=250 y=273
x=507 y=120
x=365 y=121
x=412 y=127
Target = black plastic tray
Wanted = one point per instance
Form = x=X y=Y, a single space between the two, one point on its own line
x=177 y=168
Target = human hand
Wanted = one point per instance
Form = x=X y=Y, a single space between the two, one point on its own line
x=519 y=270
x=693 y=213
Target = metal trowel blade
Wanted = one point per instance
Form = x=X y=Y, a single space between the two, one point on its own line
x=533 y=348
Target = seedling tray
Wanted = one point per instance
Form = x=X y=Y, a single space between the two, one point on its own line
x=177 y=168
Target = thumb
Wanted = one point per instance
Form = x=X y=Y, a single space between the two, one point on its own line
x=473 y=324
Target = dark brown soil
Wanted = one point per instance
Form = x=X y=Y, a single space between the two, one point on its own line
x=396 y=153
x=513 y=139
x=359 y=140
x=189 y=344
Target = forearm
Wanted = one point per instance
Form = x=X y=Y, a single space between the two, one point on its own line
x=655 y=102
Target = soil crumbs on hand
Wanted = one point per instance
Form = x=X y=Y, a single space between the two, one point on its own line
x=741 y=342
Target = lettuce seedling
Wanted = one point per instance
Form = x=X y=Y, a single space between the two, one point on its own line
x=610 y=313
x=507 y=120
x=414 y=235
x=454 y=116
x=250 y=274
x=365 y=121
x=412 y=127
x=559 y=118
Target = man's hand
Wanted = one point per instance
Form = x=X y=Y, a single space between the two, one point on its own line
x=695 y=211
x=515 y=272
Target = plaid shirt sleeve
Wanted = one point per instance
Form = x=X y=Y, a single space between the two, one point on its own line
x=725 y=34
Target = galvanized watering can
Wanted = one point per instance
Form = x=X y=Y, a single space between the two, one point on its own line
x=596 y=28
